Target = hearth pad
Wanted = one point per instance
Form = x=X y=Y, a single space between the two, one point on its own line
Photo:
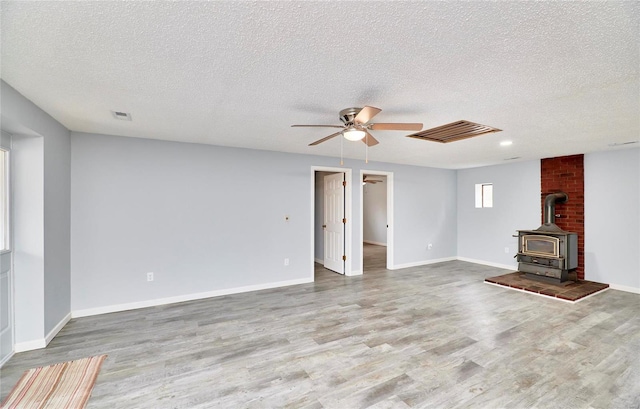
x=573 y=291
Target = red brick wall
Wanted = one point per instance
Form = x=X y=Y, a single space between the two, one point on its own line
x=566 y=174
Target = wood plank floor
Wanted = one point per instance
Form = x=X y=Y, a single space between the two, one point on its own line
x=434 y=336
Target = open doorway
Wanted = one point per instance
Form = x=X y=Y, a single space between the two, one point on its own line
x=331 y=221
x=376 y=214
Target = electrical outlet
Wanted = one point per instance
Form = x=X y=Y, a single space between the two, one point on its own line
x=506 y=250
x=286 y=261
x=430 y=246
x=150 y=276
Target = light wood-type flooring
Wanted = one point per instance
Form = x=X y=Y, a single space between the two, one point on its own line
x=434 y=336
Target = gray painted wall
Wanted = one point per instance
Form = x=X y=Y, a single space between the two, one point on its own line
x=424 y=212
x=57 y=226
x=207 y=218
x=27 y=169
x=201 y=218
x=374 y=211
x=612 y=217
x=21 y=117
x=483 y=233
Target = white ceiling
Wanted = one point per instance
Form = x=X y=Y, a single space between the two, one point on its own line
x=558 y=77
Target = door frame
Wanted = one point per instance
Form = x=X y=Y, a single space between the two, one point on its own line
x=390 y=229
x=347 y=212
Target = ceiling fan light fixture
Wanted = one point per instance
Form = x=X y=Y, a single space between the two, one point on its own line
x=353 y=134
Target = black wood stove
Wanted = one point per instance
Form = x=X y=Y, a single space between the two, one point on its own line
x=548 y=253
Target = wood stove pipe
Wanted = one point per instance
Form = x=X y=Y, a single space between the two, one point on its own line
x=550 y=207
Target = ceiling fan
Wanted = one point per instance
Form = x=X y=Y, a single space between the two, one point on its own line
x=372 y=181
x=356 y=126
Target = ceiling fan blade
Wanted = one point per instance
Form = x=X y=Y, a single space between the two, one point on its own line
x=395 y=127
x=317 y=126
x=369 y=139
x=326 y=138
x=366 y=114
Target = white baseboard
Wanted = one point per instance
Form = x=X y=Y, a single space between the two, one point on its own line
x=6 y=359
x=488 y=263
x=182 y=298
x=421 y=263
x=30 y=345
x=625 y=288
x=318 y=260
x=375 y=243
x=42 y=343
x=57 y=328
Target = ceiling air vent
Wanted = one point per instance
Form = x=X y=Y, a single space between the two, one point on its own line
x=123 y=116
x=623 y=143
x=454 y=131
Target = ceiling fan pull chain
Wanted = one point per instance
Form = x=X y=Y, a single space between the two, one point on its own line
x=366 y=149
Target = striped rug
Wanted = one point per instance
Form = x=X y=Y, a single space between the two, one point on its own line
x=60 y=386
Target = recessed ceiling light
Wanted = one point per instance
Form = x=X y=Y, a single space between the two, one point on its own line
x=505 y=143
x=123 y=116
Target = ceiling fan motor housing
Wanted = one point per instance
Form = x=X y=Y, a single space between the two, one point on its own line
x=348 y=115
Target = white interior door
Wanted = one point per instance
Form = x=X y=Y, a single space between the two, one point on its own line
x=334 y=222
x=6 y=286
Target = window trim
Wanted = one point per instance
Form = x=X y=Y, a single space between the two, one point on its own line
x=484 y=195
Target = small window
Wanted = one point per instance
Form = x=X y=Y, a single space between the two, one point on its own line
x=484 y=195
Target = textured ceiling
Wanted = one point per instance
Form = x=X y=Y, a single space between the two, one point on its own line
x=558 y=77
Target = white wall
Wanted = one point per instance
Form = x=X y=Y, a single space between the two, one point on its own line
x=206 y=218
x=484 y=233
x=612 y=218
x=374 y=211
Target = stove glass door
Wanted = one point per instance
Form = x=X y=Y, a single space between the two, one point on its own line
x=540 y=245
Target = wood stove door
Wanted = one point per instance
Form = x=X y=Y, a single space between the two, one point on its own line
x=540 y=245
